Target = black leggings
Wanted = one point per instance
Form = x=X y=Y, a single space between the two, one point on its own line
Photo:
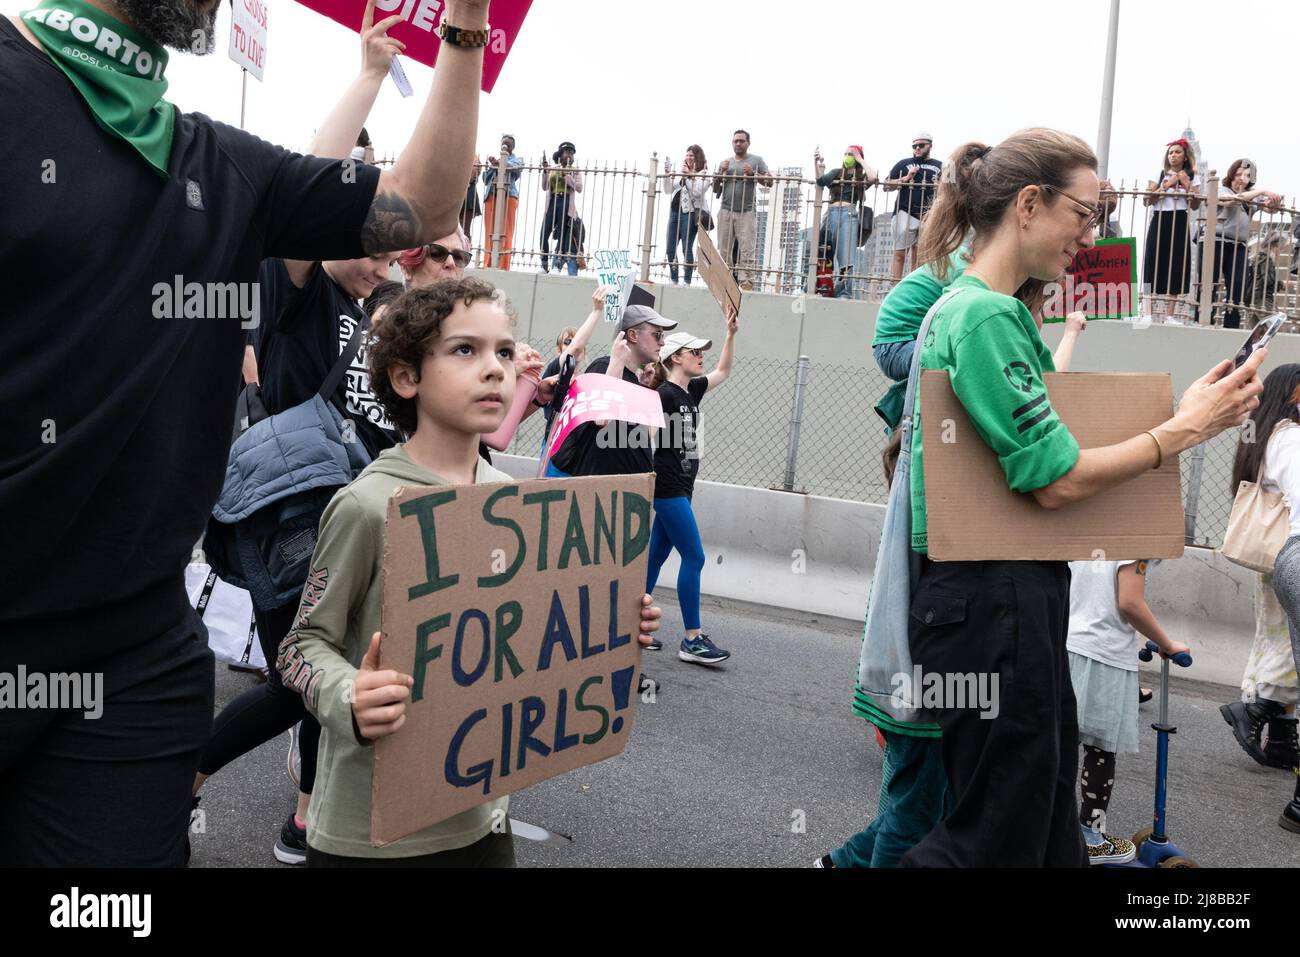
x=1230 y=266
x=261 y=713
x=1095 y=785
x=1012 y=776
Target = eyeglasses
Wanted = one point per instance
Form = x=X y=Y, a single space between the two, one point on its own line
x=439 y=253
x=658 y=334
x=1094 y=212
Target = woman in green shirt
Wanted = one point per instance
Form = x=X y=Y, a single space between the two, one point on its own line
x=1032 y=202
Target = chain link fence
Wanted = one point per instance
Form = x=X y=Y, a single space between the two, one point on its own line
x=747 y=427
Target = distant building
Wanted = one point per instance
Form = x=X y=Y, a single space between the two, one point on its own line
x=788 y=248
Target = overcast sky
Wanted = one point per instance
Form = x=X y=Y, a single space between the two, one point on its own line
x=624 y=79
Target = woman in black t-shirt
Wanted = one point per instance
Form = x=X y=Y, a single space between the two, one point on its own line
x=677 y=460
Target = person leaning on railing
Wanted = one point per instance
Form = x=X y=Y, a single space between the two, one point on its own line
x=1167 y=263
x=846 y=187
x=689 y=207
x=736 y=182
x=563 y=184
x=1238 y=200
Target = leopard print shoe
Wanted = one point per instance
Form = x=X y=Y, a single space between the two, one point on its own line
x=1111 y=850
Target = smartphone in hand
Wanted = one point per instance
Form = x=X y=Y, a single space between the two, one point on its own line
x=1259 y=337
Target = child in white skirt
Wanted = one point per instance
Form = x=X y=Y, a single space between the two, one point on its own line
x=1108 y=613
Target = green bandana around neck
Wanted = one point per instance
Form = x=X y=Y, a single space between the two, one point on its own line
x=117 y=69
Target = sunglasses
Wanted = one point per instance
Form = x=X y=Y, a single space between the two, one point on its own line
x=1093 y=212
x=439 y=253
x=919 y=146
x=698 y=353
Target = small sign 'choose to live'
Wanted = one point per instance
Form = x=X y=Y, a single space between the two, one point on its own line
x=248 y=35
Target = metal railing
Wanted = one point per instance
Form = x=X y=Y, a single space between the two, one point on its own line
x=1186 y=272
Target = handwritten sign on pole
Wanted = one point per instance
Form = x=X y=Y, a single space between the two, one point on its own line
x=615 y=273
x=419 y=27
x=1101 y=282
x=248 y=35
x=515 y=607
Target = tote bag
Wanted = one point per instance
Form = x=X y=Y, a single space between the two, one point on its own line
x=1258 y=526
x=886 y=652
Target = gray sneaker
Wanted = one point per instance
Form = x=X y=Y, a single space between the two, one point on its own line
x=702 y=651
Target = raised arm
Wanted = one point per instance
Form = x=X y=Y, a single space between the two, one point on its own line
x=1075 y=323
x=338 y=134
x=583 y=335
x=723 y=372
x=419 y=199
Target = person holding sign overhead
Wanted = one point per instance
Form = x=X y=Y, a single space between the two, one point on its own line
x=442 y=364
x=677 y=462
x=1032 y=204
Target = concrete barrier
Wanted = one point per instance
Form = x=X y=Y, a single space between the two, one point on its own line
x=816 y=555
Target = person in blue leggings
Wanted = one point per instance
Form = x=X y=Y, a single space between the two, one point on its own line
x=677 y=462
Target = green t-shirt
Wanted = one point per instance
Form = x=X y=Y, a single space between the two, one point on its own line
x=904 y=309
x=995 y=359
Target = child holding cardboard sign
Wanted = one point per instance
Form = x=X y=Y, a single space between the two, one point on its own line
x=1032 y=202
x=442 y=365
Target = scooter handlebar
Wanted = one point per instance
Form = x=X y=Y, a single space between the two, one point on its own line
x=1183 y=659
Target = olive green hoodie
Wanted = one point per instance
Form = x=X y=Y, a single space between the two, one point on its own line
x=320 y=656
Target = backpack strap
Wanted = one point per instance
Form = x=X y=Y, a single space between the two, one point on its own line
x=345 y=358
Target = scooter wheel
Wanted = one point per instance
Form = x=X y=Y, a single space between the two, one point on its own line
x=1140 y=837
x=1178 y=862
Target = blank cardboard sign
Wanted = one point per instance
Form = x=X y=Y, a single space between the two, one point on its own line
x=971 y=515
x=515 y=607
x=721 y=283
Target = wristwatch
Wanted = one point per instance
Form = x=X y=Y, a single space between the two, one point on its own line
x=465 y=39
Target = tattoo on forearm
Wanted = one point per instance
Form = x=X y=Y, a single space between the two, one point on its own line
x=391 y=224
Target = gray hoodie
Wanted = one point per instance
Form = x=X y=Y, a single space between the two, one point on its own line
x=320 y=656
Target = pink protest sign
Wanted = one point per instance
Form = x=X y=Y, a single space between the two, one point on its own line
x=597 y=397
x=419 y=27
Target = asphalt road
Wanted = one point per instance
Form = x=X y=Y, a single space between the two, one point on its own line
x=761 y=763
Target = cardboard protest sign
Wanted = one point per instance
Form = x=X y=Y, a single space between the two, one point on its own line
x=614 y=273
x=971 y=515
x=419 y=29
x=1101 y=283
x=596 y=397
x=248 y=35
x=721 y=283
x=516 y=608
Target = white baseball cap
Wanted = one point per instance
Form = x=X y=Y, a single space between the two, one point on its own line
x=682 y=340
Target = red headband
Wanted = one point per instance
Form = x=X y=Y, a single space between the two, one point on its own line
x=1181 y=141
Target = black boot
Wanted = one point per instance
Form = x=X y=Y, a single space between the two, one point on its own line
x=1247 y=722
x=1283 y=746
x=1290 y=819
